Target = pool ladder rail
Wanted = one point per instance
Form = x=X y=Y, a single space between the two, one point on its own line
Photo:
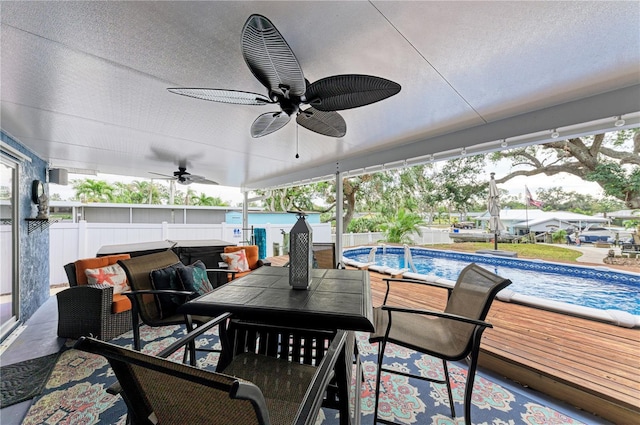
x=408 y=258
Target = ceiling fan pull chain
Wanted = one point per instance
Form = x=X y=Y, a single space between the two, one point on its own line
x=297 y=156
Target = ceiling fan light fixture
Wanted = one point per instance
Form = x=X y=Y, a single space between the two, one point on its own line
x=619 y=122
x=274 y=64
x=555 y=134
x=504 y=143
x=463 y=151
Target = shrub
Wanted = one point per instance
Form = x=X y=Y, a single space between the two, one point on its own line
x=559 y=236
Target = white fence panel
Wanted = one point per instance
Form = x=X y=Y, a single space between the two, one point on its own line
x=195 y=232
x=63 y=249
x=71 y=241
x=100 y=234
x=430 y=236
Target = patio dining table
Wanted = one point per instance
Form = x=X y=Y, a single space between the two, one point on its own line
x=336 y=299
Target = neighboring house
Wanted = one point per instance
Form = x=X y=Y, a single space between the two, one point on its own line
x=517 y=222
x=621 y=215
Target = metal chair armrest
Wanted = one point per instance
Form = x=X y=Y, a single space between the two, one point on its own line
x=131 y=294
x=308 y=411
x=438 y=314
x=417 y=282
x=193 y=335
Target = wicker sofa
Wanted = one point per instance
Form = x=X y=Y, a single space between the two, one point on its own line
x=92 y=310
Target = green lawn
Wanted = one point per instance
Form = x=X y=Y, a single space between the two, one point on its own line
x=538 y=251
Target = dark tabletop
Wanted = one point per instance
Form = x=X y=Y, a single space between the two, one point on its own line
x=336 y=299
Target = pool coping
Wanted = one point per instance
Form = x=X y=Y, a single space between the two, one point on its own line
x=615 y=317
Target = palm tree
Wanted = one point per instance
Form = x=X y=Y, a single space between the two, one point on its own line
x=89 y=190
x=203 y=200
x=405 y=223
x=211 y=201
x=187 y=198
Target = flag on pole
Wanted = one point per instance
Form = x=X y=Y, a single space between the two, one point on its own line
x=532 y=202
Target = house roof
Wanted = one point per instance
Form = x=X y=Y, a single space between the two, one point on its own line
x=536 y=216
x=84 y=83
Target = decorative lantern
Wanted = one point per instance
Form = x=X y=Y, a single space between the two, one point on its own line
x=300 y=254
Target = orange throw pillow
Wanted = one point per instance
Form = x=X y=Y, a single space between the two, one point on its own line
x=112 y=275
x=95 y=263
x=250 y=250
x=237 y=260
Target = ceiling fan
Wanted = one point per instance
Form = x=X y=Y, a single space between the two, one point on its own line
x=183 y=177
x=273 y=63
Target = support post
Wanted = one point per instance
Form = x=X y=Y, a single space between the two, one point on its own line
x=339 y=217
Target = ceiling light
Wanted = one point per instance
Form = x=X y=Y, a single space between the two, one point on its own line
x=619 y=122
x=504 y=143
x=463 y=151
x=555 y=134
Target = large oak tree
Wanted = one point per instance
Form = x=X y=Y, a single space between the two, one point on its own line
x=612 y=160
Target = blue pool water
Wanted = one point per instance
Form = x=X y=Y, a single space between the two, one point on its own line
x=584 y=286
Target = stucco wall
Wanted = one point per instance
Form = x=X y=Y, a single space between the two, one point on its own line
x=33 y=248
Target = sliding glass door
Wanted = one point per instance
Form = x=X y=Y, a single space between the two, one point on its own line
x=9 y=293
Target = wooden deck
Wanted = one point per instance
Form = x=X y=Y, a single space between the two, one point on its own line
x=591 y=365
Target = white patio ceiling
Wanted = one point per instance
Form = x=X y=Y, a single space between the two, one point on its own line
x=83 y=84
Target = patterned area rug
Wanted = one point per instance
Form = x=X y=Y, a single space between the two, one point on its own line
x=25 y=380
x=75 y=392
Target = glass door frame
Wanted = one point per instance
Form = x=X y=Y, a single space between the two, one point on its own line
x=7 y=327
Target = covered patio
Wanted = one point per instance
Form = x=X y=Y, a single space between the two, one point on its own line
x=594 y=366
x=84 y=90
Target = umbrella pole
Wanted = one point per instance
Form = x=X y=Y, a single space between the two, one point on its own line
x=495 y=241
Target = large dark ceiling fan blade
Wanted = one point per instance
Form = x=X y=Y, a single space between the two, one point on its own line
x=341 y=92
x=165 y=176
x=268 y=123
x=197 y=179
x=270 y=58
x=326 y=123
x=224 y=96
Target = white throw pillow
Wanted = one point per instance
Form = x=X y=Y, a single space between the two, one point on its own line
x=237 y=260
x=112 y=275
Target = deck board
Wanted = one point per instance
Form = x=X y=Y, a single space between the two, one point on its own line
x=592 y=365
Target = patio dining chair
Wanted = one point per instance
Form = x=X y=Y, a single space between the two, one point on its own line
x=255 y=389
x=146 y=300
x=450 y=335
x=324 y=255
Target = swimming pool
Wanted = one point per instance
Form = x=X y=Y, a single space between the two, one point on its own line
x=577 y=288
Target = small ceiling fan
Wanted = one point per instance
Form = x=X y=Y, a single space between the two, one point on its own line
x=183 y=177
x=273 y=63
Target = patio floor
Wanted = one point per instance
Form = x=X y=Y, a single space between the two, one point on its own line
x=590 y=365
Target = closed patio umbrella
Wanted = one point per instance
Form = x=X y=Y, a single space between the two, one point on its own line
x=493 y=205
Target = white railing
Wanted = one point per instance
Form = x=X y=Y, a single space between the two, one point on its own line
x=71 y=241
x=430 y=236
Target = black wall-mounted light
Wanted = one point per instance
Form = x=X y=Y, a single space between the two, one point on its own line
x=37 y=190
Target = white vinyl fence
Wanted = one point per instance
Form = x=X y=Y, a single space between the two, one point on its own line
x=72 y=241
x=430 y=236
